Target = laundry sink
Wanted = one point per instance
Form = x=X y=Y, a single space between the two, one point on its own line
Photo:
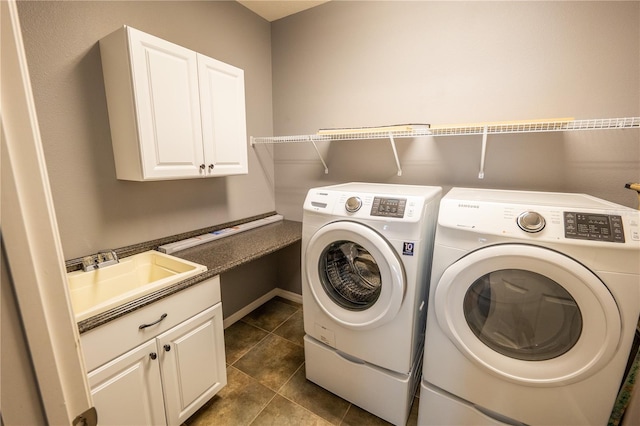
x=135 y=276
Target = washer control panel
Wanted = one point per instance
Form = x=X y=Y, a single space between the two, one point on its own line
x=363 y=205
x=388 y=207
x=595 y=227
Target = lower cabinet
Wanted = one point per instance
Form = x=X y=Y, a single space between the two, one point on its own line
x=166 y=379
x=128 y=390
x=192 y=364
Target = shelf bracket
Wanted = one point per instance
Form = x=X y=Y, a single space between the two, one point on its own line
x=395 y=153
x=483 y=151
x=326 y=169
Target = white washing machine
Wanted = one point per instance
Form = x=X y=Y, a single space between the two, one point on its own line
x=366 y=256
x=533 y=306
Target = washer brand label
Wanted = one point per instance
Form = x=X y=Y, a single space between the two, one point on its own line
x=407 y=248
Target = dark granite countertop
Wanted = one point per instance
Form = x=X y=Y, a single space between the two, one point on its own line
x=227 y=253
x=218 y=256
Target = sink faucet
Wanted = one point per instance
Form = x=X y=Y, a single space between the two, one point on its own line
x=100 y=260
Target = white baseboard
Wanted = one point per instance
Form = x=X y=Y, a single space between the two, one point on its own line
x=237 y=316
x=289 y=295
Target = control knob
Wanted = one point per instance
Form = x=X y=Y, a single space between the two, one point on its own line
x=353 y=204
x=531 y=221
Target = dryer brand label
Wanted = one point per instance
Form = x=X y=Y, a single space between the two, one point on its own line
x=407 y=248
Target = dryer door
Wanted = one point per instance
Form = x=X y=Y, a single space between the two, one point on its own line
x=528 y=314
x=354 y=275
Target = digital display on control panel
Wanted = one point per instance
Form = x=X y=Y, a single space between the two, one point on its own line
x=596 y=227
x=388 y=207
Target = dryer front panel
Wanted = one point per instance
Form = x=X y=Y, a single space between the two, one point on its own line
x=355 y=275
x=528 y=314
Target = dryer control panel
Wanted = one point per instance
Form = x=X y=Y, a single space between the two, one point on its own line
x=594 y=227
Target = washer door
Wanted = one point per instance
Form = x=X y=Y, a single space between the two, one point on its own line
x=528 y=314
x=354 y=275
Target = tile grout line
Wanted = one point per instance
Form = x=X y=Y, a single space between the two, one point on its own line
x=262 y=409
x=252 y=347
x=302 y=406
x=294 y=373
x=277 y=392
x=285 y=321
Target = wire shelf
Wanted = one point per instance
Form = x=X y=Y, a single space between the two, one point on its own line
x=484 y=129
x=464 y=129
x=364 y=135
x=537 y=126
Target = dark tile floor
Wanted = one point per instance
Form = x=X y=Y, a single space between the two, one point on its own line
x=266 y=382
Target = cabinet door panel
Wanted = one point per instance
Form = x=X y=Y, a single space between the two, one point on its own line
x=128 y=390
x=165 y=78
x=193 y=369
x=223 y=117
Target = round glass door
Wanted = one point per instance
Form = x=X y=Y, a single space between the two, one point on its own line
x=350 y=275
x=522 y=314
x=528 y=314
x=354 y=274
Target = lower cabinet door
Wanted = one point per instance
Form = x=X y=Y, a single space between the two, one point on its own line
x=128 y=390
x=193 y=363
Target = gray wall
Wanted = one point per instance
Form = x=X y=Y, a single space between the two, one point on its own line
x=95 y=210
x=289 y=273
x=351 y=63
x=342 y=64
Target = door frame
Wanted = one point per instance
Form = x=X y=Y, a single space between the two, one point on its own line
x=32 y=248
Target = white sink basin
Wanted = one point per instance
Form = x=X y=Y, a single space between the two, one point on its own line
x=135 y=276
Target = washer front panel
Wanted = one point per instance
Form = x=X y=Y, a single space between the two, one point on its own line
x=355 y=275
x=528 y=314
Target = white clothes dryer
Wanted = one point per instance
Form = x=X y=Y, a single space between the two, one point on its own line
x=533 y=305
x=366 y=256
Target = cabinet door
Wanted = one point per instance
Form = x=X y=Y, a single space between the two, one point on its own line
x=193 y=363
x=128 y=390
x=165 y=84
x=223 y=117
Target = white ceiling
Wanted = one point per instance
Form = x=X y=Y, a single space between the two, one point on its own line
x=273 y=10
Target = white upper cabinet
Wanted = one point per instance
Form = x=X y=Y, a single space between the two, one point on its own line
x=167 y=108
x=223 y=117
x=174 y=113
